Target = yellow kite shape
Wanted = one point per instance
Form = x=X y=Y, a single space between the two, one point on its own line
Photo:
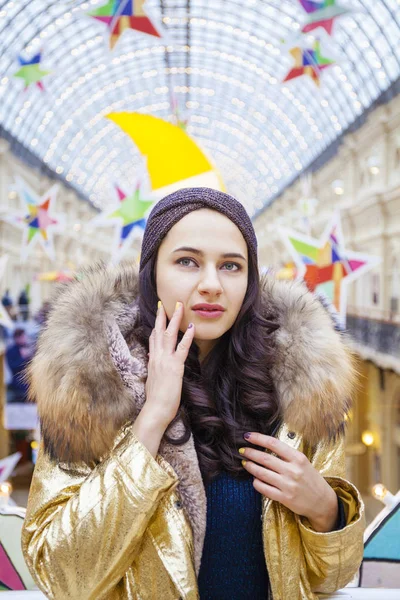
x=172 y=155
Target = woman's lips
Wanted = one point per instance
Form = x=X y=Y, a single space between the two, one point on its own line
x=209 y=314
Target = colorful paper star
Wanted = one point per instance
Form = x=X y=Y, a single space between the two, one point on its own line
x=38 y=225
x=31 y=72
x=322 y=14
x=325 y=265
x=120 y=15
x=309 y=62
x=129 y=215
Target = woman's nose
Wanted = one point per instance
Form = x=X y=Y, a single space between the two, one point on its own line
x=210 y=282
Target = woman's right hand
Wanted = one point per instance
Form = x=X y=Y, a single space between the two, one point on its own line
x=166 y=366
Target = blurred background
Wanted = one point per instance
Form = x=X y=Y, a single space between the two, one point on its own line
x=291 y=106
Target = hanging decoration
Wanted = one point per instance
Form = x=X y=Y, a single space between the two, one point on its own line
x=36 y=220
x=326 y=266
x=322 y=14
x=5 y=319
x=174 y=160
x=120 y=15
x=7 y=465
x=309 y=61
x=381 y=561
x=31 y=72
x=129 y=215
x=288 y=272
x=56 y=276
x=14 y=574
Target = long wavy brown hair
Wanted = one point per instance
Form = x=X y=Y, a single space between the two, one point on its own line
x=231 y=391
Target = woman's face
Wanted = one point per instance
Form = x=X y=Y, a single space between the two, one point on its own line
x=203 y=260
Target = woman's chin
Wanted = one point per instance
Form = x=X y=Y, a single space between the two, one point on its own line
x=209 y=331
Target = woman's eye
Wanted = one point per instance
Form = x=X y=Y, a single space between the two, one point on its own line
x=232 y=267
x=189 y=262
x=185 y=262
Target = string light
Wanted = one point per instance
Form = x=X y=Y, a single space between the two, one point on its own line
x=368 y=438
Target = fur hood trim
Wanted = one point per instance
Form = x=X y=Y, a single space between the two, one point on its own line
x=88 y=374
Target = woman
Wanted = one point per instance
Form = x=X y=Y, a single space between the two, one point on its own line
x=147 y=413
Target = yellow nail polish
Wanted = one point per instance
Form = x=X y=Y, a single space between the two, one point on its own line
x=159 y=304
x=178 y=304
x=241 y=450
x=244 y=462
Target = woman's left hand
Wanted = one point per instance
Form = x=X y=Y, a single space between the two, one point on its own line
x=290 y=479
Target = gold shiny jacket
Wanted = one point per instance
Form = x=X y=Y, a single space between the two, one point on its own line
x=105 y=520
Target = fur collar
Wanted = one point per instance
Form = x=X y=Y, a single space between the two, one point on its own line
x=88 y=382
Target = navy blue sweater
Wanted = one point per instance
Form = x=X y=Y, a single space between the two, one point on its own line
x=233 y=564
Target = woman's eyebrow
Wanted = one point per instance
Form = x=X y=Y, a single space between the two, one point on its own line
x=200 y=253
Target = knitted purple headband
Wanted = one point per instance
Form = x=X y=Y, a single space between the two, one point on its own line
x=174 y=207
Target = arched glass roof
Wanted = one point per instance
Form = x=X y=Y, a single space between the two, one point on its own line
x=222 y=61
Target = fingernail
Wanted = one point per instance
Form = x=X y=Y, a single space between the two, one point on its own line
x=247 y=436
x=244 y=462
x=190 y=325
x=241 y=450
x=159 y=304
x=178 y=304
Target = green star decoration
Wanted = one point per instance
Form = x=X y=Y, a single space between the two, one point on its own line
x=132 y=209
x=31 y=72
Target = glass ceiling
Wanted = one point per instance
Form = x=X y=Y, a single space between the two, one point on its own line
x=222 y=61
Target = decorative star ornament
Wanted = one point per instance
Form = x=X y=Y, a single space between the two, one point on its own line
x=322 y=14
x=7 y=465
x=36 y=220
x=325 y=265
x=5 y=320
x=120 y=15
x=130 y=217
x=31 y=72
x=309 y=61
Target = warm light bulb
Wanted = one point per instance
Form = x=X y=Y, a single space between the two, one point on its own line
x=367 y=438
x=382 y=494
x=379 y=491
x=5 y=488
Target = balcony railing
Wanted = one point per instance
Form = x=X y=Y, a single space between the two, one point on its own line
x=379 y=333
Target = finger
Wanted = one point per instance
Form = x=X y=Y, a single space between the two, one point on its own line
x=185 y=343
x=151 y=345
x=271 y=443
x=263 y=474
x=170 y=335
x=268 y=490
x=159 y=327
x=265 y=460
x=161 y=318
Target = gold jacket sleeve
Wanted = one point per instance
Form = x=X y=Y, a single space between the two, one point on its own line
x=333 y=558
x=83 y=526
